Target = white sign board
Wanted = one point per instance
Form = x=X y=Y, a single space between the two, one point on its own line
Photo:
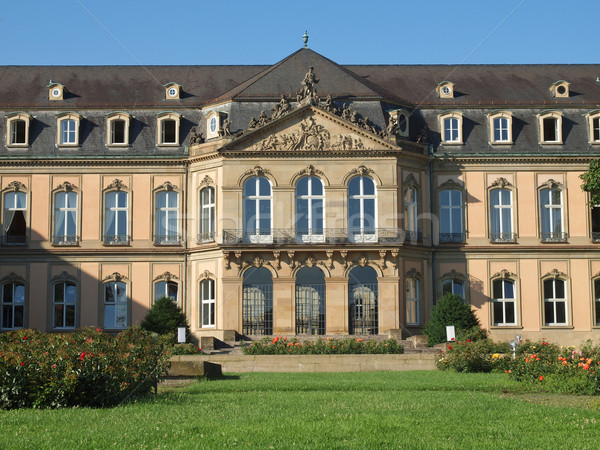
x=181 y=335
x=450 y=336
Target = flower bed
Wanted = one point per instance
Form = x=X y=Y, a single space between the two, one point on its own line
x=83 y=368
x=285 y=346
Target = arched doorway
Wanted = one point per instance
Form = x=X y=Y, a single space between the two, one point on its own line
x=362 y=301
x=310 y=301
x=257 y=302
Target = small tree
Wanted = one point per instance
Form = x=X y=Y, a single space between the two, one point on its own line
x=591 y=182
x=164 y=317
x=449 y=310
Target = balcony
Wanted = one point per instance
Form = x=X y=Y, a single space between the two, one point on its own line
x=554 y=236
x=65 y=241
x=14 y=240
x=328 y=236
x=446 y=238
x=203 y=238
x=167 y=239
x=413 y=237
x=116 y=240
x=503 y=238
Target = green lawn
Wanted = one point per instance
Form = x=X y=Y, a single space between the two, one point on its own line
x=333 y=410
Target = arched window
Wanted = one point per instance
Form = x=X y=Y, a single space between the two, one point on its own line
x=65 y=218
x=451 y=216
x=310 y=200
x=412 y=299
x=115 y=305
x=411 y=213
x=257 y=210
x=167 y=218
x=207 y=215
x=116 y=215
x=13 y=305
x=555 y=302
x=207 y=300
x=14 y=221
x=310 y=301
x=257 y=302
x=504 y=305
x=64 y=303
x=501 y=216
x=166 y=289
x=453 y=286
x=551 y=215
x=362 y=214
x=362 y=301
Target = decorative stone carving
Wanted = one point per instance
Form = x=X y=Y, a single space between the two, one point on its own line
x=13 y=278
x=166 y=276
x=257 y=261
x=392 y=128
x=276 y=258
x=552 y=184
x=329 y=254
x=64 y=276
x=454 y=275
x=411 y=181
x=238 y=257
x=382 y=254
x=309 y=171
x=167 y=186
x=227 y=261
x=344 y=255
x=504 y=274
x=329 y=106
x=206 y=182
x=256 y=171
x=115 y=276
x=361 y=171
x=310 y=261
x=451 y=184
x=196 y=137
x=394 y=261
x=206 y=275
x=501 y=182
x=66 y=186
x=362 y=261
x=554 y=273
x=253 y=124
x=308 y=93
x=291 y=254
x=310 y=136
x=15 y=186
x=263 y=119
x=413 y=273
x=117 y=185
x=347 y=142
x=225 y=129
x=282 y=108
x=423 y=137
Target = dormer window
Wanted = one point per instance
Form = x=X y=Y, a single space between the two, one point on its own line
x=168 y=129
x=55 y=91
x=117 y=129
x=172 y=91
x=213 y=124
x=401 y=117
x=560 y=89
x=593 y=118
x=451 y=128
x=550 y=126
x=17 y=126
x=68 y=130
x=500 y=126
x=445 y=89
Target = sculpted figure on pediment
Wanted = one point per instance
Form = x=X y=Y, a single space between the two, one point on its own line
x=282 y=108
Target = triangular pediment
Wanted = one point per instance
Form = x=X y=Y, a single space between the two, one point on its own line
x=309 y=129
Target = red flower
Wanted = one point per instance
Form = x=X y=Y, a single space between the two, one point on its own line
x=22 y=363
x=24 y=338
x=98 y=329
x=449 y=347
x=541 y=378
x=544 y=343
x=468 y=340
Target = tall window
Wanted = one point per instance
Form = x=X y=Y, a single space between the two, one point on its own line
x=412 y=301
x=13 y=305
x=14 y=221
x=309 y=209
x=451 y=129
x=552 y=215
x=597 y=302
x=451 y=216
x=65 y=218
x=117 y=132
x=257 y=210
x=595 y=223
x=168 y=129
x=550 y=126
x=166 y=289
x=167 y=218
x=550 y=130
x=115 y=305
x=504 y=305
x=501 y=215
x=411 y=212
x=207 y=299
x=362 y=301
x=116 y=218
x=362 y=215
x=18 y=132
x=257 y=302
x=456 y=287
x=594 y=124
x=310 y=301
x=64 y=302
x=207 y=215
x=501 y=130
x=555 y=302
x=68 y=131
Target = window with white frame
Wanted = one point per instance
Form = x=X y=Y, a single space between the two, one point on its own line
x=500 y=126
x=64 y=304
x=65 y=218
x=115 y=305
x=13 y=305
x=17 y=130
x=207 y=300
x=167 y=218
x=504 y=306
x=552 y=215
x=597 y=302
x=116 y=216
x=258 y=203
x=168 y=129
x=14 y=222
x=68 y=129
x=550 y=126
x=594 y=126
x=555 y=302
x=412 y=301
x=117 y=129
x=310 y=200
x=453 y=286
x=166 y=289
x=501 y=216
x=411 y=213
x=207 y=215
x=362 y=213
x=451 y=128
x=451 y=216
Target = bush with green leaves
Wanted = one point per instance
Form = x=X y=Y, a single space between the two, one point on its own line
x=449 y=310
x=164 y=317
x=284 y=346
x=83 y=368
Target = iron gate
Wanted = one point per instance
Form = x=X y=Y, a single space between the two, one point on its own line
x=310 y=309
x=257 y=309
x=362 y=306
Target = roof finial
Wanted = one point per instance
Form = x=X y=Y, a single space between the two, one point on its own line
x=305 y=39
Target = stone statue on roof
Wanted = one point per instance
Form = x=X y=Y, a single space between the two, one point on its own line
x=282 y=108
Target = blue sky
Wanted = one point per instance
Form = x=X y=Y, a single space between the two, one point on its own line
x=107 y=32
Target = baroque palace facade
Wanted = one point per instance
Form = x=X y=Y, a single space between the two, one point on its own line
x=303 y=198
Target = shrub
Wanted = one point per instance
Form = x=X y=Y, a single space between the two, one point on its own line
x=164 y=317
x=185 y=349
x=470 y=356
x=449 y=310
x=83 y=368
x=285 y=346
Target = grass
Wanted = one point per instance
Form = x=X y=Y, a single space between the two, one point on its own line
x=332 y=410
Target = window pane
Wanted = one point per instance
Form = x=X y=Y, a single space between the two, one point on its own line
x=368 y=186
x=71 y=294
x=354 y=218
x=549 y=312
x=510 y=312
x=316 y=186
x=264 y=187
x=509 y=291
x=109 y=293
x=169 y=131
x=250 y=213
x=172 y=290
x=301 y=215
x=19 y=294
x=497 y=288
x=561 y=312
x=459 y=289
x=302 y=186
x=560 y=288
x=548 y=288
x=317 y=215
x=172 y=199
x=250 y=187
x=498 y=313
x=354 y=186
